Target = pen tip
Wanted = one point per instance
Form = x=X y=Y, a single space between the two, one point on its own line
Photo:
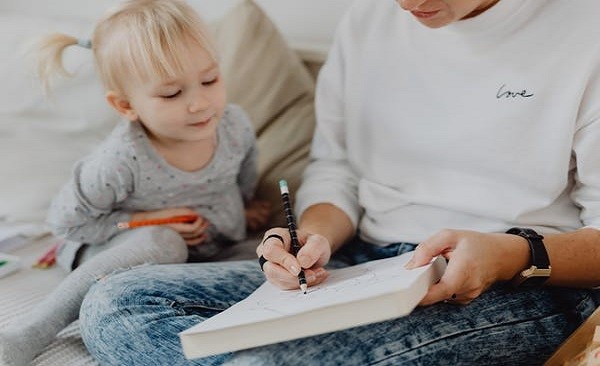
x=304 y=288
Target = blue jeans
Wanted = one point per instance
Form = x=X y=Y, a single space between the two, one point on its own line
x=134 y=317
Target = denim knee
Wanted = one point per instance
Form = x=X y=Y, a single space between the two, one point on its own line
x=100 y=311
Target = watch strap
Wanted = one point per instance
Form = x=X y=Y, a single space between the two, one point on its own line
x=539 y=255
x=539 y=269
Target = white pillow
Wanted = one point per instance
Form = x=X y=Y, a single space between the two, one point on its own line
x=41 y=138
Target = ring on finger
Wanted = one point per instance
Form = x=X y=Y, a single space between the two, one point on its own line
x=276 y=236
x=451 y=298
x=261 y=261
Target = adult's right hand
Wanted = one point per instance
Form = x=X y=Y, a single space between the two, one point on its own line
x=282 y=267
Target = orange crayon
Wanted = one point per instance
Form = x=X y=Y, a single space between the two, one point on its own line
x=163 y=221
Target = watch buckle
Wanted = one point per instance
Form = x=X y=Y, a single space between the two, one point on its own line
x=533 y=271
x=530 y=272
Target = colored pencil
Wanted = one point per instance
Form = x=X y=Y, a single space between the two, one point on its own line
x=162 y=221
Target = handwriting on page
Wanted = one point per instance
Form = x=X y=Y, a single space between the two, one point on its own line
x=347 y=284
x=365 y=281
x=336 y=286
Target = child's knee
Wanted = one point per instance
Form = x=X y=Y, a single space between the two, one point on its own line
x=168 y=243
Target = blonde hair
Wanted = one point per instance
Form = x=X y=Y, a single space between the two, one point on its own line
x=139 y=39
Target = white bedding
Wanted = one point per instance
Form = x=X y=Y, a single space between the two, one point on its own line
x=25 y=288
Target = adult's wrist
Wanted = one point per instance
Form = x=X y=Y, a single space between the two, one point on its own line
x=328 y=221
x=516 y=256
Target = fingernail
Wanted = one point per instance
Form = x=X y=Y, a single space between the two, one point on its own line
x=319 y=272
x=295 y=270
x=311 y=278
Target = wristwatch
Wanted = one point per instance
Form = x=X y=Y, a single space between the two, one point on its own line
x=539 y=269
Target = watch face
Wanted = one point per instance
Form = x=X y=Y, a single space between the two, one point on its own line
x=532 y=234
x=516 y=231
x=526 y=233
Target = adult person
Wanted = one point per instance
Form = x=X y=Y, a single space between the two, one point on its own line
x=443 y=123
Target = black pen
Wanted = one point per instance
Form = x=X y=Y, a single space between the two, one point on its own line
x=291 y=223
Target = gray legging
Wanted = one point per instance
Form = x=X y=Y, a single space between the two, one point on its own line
x=27 y=337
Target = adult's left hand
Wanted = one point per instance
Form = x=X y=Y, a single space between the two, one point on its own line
x=475 y=261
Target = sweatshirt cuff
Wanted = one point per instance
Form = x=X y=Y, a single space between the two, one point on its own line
x=307 y=198
x=591 y=227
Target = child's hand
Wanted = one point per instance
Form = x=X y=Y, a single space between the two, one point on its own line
x=193 y=233
x=257 y=214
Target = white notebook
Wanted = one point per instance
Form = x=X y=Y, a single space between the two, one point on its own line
x=362 y=294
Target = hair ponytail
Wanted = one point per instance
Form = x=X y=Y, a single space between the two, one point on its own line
x=50 y=57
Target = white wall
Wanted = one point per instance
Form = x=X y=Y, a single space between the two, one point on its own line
x=307 y=24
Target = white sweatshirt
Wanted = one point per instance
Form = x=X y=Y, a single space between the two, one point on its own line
x=485 y=124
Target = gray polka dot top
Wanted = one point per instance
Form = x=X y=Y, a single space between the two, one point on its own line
x=126 y=175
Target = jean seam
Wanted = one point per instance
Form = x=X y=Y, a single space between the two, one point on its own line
x=205 y=307
x=585 y=307
x=185 y=305
x=118 y=271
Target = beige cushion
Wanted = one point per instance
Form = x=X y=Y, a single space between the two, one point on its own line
x=269 y=81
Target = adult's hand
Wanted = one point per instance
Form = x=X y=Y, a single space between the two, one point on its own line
x=475 y=261
x=282 y=268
